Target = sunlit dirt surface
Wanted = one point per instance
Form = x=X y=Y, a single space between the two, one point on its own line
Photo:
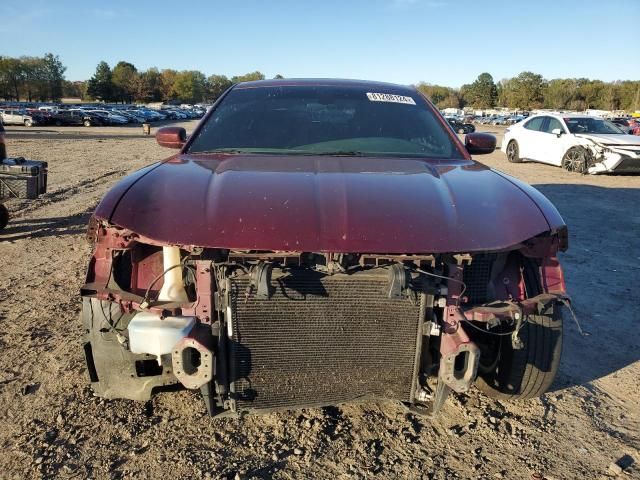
x=51 y=425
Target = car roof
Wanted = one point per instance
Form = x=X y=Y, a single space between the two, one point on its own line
x=565 y=115
x=330 y=82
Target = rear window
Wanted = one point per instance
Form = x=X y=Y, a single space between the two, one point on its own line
x=325 y=120
x=534 y=124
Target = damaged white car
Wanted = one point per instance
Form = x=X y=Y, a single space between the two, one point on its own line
x=577 y=143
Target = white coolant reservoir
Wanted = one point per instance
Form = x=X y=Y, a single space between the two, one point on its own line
x=148 y=333
x=173 y=286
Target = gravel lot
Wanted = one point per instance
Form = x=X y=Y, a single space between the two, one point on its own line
x=51 y=426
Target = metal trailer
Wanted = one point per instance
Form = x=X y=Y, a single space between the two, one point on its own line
x=19 y=178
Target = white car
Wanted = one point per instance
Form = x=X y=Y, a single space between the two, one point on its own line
x=578 y=143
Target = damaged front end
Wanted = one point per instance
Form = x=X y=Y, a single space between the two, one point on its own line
x=258 y=331
x=610 y=157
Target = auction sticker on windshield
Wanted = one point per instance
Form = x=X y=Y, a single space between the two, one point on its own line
x=389 y=97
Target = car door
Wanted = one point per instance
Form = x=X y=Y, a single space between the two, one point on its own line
x=78 y=118
x=541 y=141
x=64 y=117
x=527 y=137
x=551 y=148
x=10 y=118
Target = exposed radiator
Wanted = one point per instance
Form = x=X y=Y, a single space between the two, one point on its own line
x=322 y=340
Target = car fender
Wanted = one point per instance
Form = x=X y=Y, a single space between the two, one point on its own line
x=576 y=141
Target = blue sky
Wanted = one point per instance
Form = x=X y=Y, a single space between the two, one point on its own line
x=446 y=42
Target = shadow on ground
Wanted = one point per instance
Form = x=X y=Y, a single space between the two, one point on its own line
x=18 y=229
x=602 y=272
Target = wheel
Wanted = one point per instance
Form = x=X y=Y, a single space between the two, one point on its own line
x=28 y=123
x=4 y=216
x=58 y=123
x=506 y=373
x=577 y=159
x=513 y=152
x=462 y=130
x=87 y=123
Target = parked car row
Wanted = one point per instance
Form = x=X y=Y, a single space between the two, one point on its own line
x=628 y=125
x=499 y=119
x=459 y=126
x=21 y=117
x=95 y=115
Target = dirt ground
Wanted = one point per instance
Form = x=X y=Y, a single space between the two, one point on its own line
x=51 y=425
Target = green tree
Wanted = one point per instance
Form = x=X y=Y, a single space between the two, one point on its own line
x=148 y=86
x=100 y=85
x=75 y=89
x=53 y=74
x=482 y=93
x=526 y=91
x=167 y=79
x=560 y=93
x=33 y=79
x=189 y=86
x=248 y=77
x=12 y=77
x=125 y=80
x=440 y=96
x=591 y=91
x=216 y=86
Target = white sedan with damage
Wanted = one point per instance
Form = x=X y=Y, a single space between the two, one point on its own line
x=577 y=143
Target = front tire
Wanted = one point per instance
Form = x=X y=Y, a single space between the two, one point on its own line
x=86 y=123
x=513 y=152
x=513 y=374
x=28 y=123
x=577 y=159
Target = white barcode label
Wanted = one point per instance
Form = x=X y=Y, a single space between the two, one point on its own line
x=389 y=97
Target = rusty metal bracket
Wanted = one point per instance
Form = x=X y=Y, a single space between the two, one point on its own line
x=193 y=359
x=202 y=308
x=459 y=356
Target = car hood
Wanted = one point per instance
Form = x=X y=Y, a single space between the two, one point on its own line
x=617 y=139
x=322 y=203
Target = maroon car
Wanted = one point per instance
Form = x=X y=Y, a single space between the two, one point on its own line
x=316 y=242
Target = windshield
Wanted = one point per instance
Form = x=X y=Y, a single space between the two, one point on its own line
x=324 y=120
x=591 y=125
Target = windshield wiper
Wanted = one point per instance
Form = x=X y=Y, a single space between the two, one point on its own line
x=340 y=153
x=222 y=150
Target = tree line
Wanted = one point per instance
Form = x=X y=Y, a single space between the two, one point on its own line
x=529 y=91
x=32 y=78
x=124 y=83
x=42 y=79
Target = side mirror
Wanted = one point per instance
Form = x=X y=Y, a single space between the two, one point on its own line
x=557 y=132
x=171 y=137
x=479 y=143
